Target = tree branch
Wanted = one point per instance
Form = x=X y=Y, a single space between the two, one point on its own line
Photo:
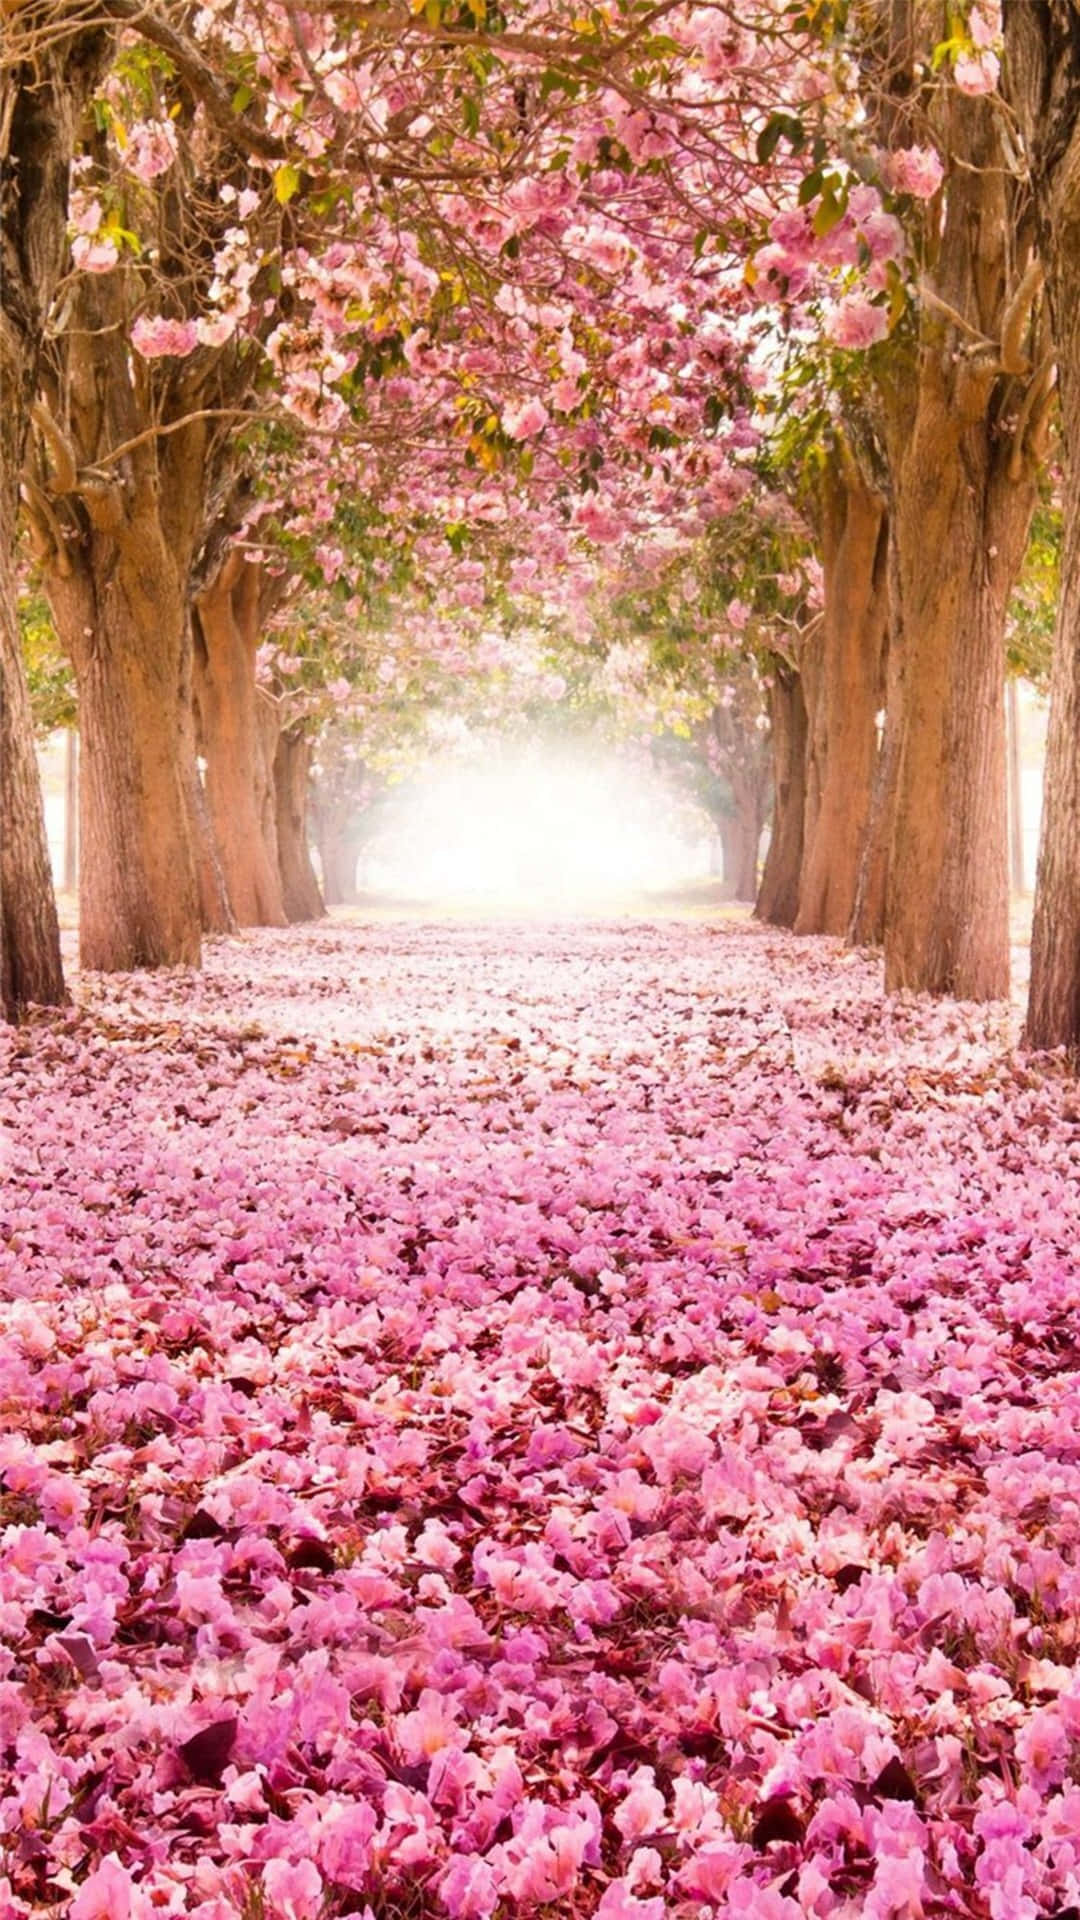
x=65 y=465
x=241 y=132
x=1015 y=318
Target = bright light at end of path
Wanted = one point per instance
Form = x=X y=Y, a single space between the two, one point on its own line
x=543 y=831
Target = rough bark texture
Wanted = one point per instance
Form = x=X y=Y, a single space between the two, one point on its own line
x=848 y=681
x=867 y=926
x=41 y=102
x=117 y=559
x=1042 y=43
x=215 y=912
x=228 y=625
x=778 y=896
x=119 y=612
x=299 y=886
x=30 y=968
x=963 y=459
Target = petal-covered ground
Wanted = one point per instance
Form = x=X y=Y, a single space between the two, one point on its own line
x=517 y=1419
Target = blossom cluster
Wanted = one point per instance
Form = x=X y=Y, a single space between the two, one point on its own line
x=574 y=1419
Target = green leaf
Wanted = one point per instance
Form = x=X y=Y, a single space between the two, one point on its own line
x=780 y=126
x=810 y=187
x=242 y=99
x=829 y=213
x=286 y=182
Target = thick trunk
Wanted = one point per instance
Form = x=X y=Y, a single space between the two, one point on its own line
x=1017 y=864
x=963 y=426
x=215 y=912
x=71 y=810
x=1053 y=1015
x=119 y=611
x=1043 y=79
x=227 y=639
x=299 y=887
x=778 y=896
x=848 y=696
x=739 y=835
x=338 y=852
x=43 y=88
x=30 y=969
x=867 y=926
x=960 y=524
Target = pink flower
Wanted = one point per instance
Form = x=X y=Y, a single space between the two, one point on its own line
x=214 y=329
x=525 y=422
x=94 y=254
x=468 y=1889
x=916 y=170
x=642 y=1810
x=977 y=73
x=109 y=1893
x=293 y=1887
x=151 y=149
x=155 y=336
x=738 y=614
x=857 y=323
x=619 y=1903
x=1042 y=1747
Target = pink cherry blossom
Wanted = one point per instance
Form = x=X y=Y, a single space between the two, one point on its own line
x=156 y=336
x=856 y=322
x=526 y=421
x=916 y=170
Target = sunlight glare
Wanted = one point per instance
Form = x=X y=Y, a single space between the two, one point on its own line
x=540 y=830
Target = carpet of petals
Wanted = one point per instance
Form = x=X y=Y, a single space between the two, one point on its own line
x=575 y=1420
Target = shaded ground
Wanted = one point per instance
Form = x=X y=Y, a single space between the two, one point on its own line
x=505 y=1418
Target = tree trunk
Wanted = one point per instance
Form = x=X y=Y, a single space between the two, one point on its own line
x=867 y=926
x=299 y=887
x=1043 y=80
x=339 y=849
x=812 y=683
x=1017 y=864
x=778 y=896
x=215 y=911
x=30 y=967
x=71 y=809
x=962 y=428
x=43 y=89
x=854 y=552
x=1053 y=1014
x=960 y=523
x=739 y=835
x=120 y=614
x=227 y=614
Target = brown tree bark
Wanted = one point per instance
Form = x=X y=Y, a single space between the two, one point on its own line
x=1042 y=74
x=30 y=966
x=118 y=542
x=120 y=614
x=959 y=392
x=778 y=896
x=215 y=911
x=960 y=522
x=849 y=691
x=71 y=809
x=867 y=926
x=961 y=419
x=740 y=834
x=42 y=96
x=228 y=626
x=299 y=886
